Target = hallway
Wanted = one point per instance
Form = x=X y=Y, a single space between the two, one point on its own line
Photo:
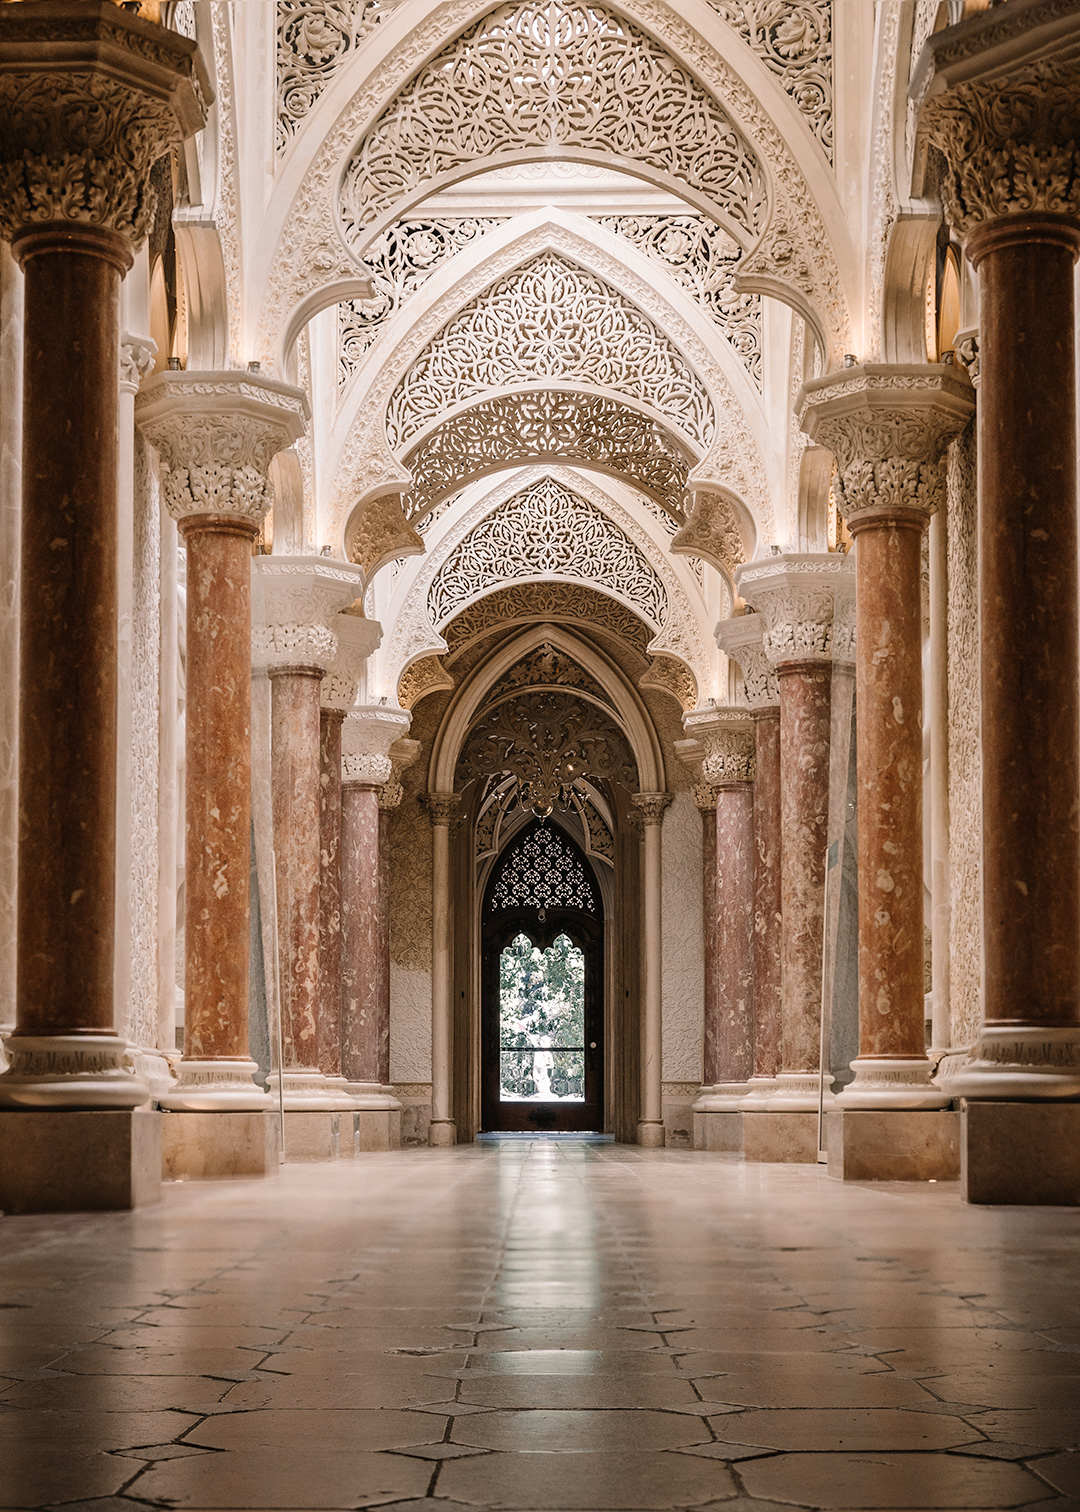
x=537 y=1324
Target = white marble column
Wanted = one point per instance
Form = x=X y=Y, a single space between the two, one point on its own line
x=650 y=1129
x=442 y=807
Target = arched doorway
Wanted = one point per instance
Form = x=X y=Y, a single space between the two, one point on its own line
x=542 y=992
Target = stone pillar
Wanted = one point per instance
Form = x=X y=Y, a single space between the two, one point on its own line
x=442 y=807
x=297 y=600
x=1004 y=114
x=650 y=1129
x=938 y=699
x=727 y=738
x=89 y=99
x=740 y=638
x=366 y=769
x=11 y=345
x=216 y=435
x=705 y=799
x=888 y=428
x=795 y=595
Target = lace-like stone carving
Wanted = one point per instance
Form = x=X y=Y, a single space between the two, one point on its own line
x=547 y=530
x=549 y=321
x=424 y=676
x=547 y=426
x=568 y=603
x=548 y=740
x=553 y=76
x=793 y=38
x=398 y=263
x=546 y=667
x=542 y=871
x=314 y=39
x=703 y=258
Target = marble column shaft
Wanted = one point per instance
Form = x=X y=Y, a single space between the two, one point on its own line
x=330 y=881
x=365 y=1029
x=294 y=714
x=382 y=969
x=442 y=808
x=710 y=915
x=805 y=693
x=651 y=1120
x=767 y=944
x=735 y=931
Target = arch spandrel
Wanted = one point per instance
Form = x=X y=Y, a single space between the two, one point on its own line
x=304 y=249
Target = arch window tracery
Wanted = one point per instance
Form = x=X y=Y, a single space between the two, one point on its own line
x=547 y=530
x=549 y=321
x=542 y=870
x=552 y=75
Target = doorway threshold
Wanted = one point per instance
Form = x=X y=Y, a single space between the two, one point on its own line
x=582 y=1137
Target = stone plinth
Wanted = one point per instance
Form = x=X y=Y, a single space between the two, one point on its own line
x=893 y=1144
x=213 y=1146
x=68 y=1161
x=718 y=1131
x=783 y=1137
x=375 y=1129
x=1023 y=1154
x=313 y=1137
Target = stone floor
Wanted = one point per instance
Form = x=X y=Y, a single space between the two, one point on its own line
x=542 y=1325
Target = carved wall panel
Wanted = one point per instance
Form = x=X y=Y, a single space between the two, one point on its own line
x=546 y=667
x=548 y=530
x=553 y=75
x=423 y=677
x=550 y=322
x=314 y=39
x=548 y=426
x=794 y=41
x=547 y=739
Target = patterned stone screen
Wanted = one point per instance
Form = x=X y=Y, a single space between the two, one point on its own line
x=541 y=871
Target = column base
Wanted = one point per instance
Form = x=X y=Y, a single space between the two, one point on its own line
x=76 y=1161
x=1024 y=1154
x=215 y=1086
x=203 y=1146
x=314 y=1137
x=304 y=1091
x=799 y=1092
x=442 y=1132
x=785 y=1137
x=1020 y=1065
x=724 y=1097
x=758 y=1090
x=69 y=1071
x=650 y=1134
x=719 y=1131
x=373 y=1096
x=885 y=1083
x=898 y=1144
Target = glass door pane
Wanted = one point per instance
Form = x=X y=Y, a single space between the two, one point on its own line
x=542 y=1022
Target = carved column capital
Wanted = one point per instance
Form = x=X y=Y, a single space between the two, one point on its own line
x=295 y=601
x=366 y=738
x=999 y=99
x=216 y=435
x=443 y=807
x=887 y=427
x=357 y=638
x=390 y=794
x=726 y=735
x=137 y=354
x=651 y=806
x=807 y=603
x=90 y=98
x=740 y=639
x=705 y=795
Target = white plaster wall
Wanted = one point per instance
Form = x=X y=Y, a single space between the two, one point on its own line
x=683 y=941
x=410 y=1025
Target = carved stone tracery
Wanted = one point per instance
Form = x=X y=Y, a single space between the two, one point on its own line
x=547 y=425
x=567 y=603
x=793 y=38
x=549 y=322
x=314 y=39
x=547 y=740
x=576 y=78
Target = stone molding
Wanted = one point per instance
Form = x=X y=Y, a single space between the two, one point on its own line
x=740 y=639
x=807 y=603
x=1020 y=1063
x=726 y=735
x=215 y=1086
x=357 y=638
x=90 y=98
x=651 y=806
x=999 y=100
x=888 y=427
x=295 y=602
x=892 y=1083
x=361 y=769
x=967 y=353
x=216 y=435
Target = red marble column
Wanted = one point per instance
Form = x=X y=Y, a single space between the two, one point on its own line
x=767 y=896
x=705 y=798
x=887 y=428
x=735 y=931
x=88 y=107
x=250 y=418
x=365 y=1034
x=390 y=795
x=330 y=923
x=294 y=704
